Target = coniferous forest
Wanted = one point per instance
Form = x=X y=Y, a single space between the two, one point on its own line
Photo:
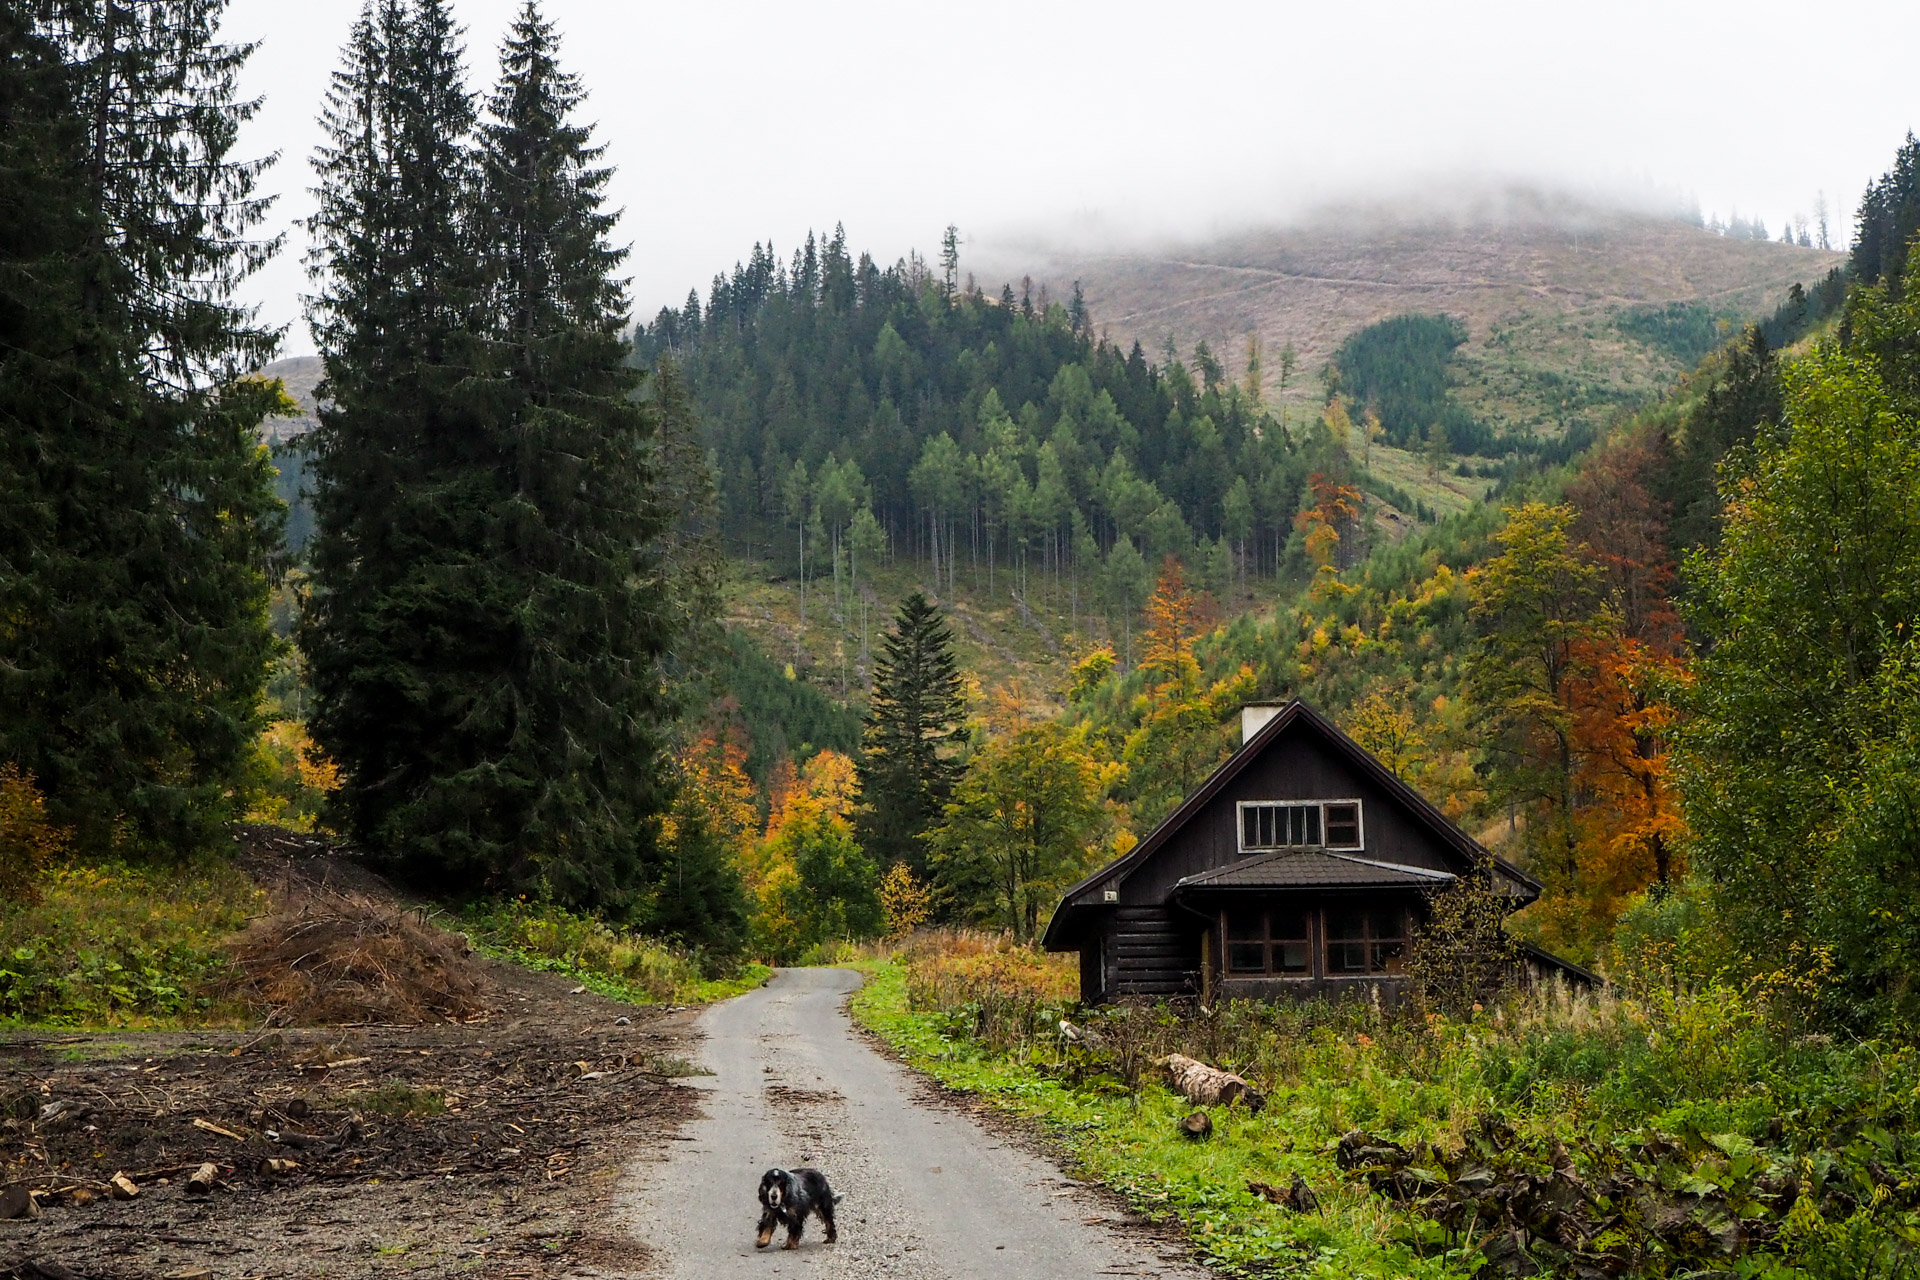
x=540 y=654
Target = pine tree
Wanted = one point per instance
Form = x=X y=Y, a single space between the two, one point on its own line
x=137 y=537
x=915 y=712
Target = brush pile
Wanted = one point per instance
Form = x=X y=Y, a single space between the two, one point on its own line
x=346 y=958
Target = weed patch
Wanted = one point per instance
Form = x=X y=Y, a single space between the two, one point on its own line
x=612 y=962
x=397 y=1100
x=108 y=944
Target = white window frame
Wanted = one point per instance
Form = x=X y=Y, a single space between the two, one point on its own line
x=1240 y=825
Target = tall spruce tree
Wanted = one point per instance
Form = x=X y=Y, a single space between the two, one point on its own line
x=400 y=646
x=915 y=712
x=487 y=617
x=575 y=779
x=137 y=535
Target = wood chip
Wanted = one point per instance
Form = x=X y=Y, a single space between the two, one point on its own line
x=121 y=1187
x=211 y=1127
x=347 y=1062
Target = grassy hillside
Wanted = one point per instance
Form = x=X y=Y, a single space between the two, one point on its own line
x=1543 y=286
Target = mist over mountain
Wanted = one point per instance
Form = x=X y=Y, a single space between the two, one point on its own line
x=1539 y=280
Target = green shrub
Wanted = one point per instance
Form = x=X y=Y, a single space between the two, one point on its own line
x=113 y=944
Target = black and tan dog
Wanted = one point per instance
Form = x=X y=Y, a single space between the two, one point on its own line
x=788 y=1196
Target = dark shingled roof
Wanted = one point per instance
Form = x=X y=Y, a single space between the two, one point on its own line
x=1313 y=868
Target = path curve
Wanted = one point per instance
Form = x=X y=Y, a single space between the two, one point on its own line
x=929 y=1194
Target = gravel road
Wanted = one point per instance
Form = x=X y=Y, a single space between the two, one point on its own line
x=927 y=1192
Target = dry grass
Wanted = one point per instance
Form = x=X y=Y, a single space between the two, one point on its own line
x=950 y=967
x=346 y=958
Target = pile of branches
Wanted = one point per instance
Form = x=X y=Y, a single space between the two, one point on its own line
x=1654 y=1205
x=345 y=958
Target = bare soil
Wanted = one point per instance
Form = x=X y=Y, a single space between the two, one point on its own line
x=486 y=1146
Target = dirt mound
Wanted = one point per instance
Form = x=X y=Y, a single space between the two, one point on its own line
x=348 y=958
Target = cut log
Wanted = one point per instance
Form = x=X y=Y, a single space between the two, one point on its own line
x=121 y=1187
x=1206 y=1086
x=201 y=1180
x=1197 y=1126
x=273 y=1167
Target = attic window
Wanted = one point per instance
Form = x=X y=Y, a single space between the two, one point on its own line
x=1313 y=824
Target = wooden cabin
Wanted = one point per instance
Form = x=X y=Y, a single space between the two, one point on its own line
x=1299 y=868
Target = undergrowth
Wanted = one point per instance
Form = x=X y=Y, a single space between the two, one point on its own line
x=1798 y=1152
x=111 y=944
x=613 y=962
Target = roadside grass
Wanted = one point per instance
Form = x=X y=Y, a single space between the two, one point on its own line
x=109 y=944
x=1720 y=1138
x=612 y=962
x=1130 y=1142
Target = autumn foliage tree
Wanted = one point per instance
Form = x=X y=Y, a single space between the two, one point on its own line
x=1579 y=660
x=1329 y=524
x=1181 y=734
x=696 y=896
x=810 y=880
x=1025 y=821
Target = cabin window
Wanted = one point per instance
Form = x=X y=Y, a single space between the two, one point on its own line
x=1366 y=941
x=1262 y=942
x=1312 y=824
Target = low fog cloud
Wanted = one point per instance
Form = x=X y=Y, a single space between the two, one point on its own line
x=1100 y=125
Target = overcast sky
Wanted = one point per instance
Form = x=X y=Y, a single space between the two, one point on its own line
x=735 y=122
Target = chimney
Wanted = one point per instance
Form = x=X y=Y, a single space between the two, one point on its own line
x=1254 y=717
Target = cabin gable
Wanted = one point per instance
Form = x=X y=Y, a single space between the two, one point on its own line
x=1296 y=766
